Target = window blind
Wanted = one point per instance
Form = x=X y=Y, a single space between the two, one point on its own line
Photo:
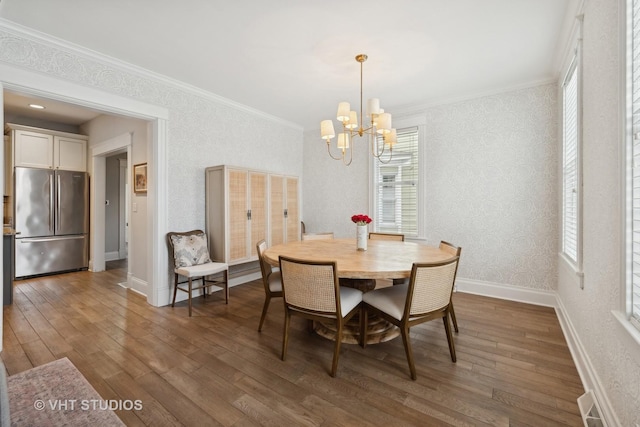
x=635 y=169
x=570 y=188
x=396 y=187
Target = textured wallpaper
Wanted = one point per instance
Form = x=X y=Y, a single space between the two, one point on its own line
x=614 y=356
x=491 y=178
x=202 y=131
x=491 y=185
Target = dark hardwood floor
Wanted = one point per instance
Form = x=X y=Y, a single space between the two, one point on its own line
x=513 y=368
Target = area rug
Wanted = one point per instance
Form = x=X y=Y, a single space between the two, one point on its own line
x=57 y=394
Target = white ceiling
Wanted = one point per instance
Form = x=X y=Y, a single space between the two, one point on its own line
x=295 y=59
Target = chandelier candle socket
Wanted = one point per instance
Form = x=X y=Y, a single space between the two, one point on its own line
x=362 y=221
x=382 y=137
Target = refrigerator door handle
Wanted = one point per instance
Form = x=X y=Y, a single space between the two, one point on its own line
x=40 y=240
x=58 y=203
x=51 y=206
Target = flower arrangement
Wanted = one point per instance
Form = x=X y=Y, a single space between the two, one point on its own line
x=361 y=219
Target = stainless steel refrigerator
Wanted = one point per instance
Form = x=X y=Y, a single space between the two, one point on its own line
x=51 y=221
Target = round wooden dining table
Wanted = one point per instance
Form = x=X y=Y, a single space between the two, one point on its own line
x=383 y=259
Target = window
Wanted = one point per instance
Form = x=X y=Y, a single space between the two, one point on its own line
x=571 y=182
x=396 y=187
x=633 y=170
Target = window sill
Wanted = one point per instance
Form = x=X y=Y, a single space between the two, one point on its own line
x=572 y=267
x=626 y=324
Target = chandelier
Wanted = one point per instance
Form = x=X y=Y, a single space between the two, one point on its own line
x=379 y=125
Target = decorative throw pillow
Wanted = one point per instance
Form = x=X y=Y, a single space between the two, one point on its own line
x=190 y=250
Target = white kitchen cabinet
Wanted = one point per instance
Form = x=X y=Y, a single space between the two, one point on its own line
x=41 y=148
x=69 y=153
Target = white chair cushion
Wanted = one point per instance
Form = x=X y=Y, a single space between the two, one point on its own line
x=275 y=281
x=349 y=299
x=190 y=250
x=202 y=269
x=390 y=300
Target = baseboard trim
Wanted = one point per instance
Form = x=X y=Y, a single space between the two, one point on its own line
x=112 y=256
x=506 y=292
x=588 y=375
x=138 y=285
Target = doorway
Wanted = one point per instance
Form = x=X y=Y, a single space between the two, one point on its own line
x=154 y=259
x=116 y=211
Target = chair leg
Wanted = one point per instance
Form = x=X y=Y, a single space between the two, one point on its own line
x=407 y=349
x=175 y=290
x=453 y=317
x=285 y=337
x=265 y=307
x=336 y=350
x=205 y=288
x=447 y=329
x=190 y=290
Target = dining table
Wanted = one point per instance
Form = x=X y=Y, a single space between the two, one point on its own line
x=383 y=259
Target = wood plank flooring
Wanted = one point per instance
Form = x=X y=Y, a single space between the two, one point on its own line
x=513 y=368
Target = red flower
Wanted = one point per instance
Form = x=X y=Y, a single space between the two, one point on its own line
x=361 y=219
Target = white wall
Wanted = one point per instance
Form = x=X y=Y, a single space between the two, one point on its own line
x=611 y=358
x=491 y=186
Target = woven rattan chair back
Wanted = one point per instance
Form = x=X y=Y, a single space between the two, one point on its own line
x=430 y=287
x=270 y=280
x=265 y=267
x=310 y=289
x=310 y=286
x=453 y=251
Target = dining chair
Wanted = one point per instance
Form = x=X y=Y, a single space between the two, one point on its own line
x=190 y=254
x=310 y=290
x=271 y=279
x=453 y=251
x=389 y=236
x=317 y=236
x=427 y=296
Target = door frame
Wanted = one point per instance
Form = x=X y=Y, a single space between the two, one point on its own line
x=47 y=86
x=123 y=208
x=99 y=154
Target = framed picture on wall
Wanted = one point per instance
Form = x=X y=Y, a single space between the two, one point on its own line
x=140 y=178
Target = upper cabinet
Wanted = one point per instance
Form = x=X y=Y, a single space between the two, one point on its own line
x=70 y=153
x=40 y=148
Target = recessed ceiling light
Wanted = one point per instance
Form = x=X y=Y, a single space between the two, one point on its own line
x=37 y=106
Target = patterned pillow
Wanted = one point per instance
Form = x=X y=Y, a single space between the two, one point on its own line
x=190 y=250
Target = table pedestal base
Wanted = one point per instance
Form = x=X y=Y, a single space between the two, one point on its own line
x=378 y=330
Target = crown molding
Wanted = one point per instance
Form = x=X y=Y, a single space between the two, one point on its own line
x=57 y=43
x=412 y=110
